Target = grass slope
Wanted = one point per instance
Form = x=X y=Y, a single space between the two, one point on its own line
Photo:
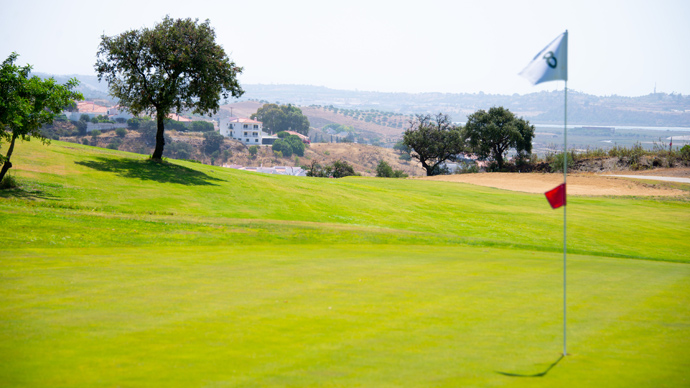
x=116 y=271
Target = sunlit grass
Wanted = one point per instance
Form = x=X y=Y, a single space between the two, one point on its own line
x=118 y=271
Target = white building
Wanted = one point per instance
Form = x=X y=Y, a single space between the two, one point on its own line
x=248 y=131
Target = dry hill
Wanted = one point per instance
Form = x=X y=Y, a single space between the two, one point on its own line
x=383 y=127
x=363 y=157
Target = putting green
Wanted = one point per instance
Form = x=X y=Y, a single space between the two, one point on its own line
x=302 y=315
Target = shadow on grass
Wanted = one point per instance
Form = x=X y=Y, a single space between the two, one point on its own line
x=19 y=192
x=162 y=172
x=542 y=374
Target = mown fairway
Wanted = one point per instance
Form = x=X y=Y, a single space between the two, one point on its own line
x=118 y=272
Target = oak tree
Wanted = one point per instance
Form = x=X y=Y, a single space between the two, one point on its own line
x=433 y=140
x=172 y=67
x=491 y=134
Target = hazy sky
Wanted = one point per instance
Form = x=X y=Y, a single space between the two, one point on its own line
x=616 y=47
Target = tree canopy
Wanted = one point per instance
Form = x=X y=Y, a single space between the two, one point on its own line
x=289 y=145
x=28 y=103
x=338 y=169
x=175 y=66
x=433 y=141
x=277 y=118
x=493 y=133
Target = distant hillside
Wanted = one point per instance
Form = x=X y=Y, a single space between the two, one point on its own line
x=658 y=109
x=546 y=107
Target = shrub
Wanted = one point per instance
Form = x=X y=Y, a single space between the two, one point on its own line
x=556 y=161
x=296 y=144
x=253 y=150
x=212 y=142
x=399 y=174
x=85 y=141
x=467 y=168
x=8 y=182
x=121 y=132
x=80 y=126
x=179 y=149
x=384 y=170
x=202 y=126
x=282 y=146
x=182 y=154
x=685 y=153
x=342 y=169
x=95 y=133
x=133 y=123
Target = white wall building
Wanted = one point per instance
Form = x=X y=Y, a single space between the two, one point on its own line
x=248 y=131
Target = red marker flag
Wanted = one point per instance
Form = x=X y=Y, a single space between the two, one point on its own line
x=556 y=196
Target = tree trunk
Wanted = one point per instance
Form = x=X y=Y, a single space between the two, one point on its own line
x=426 y=167
x=499 y=161
x=160 y=139
x=7 y=165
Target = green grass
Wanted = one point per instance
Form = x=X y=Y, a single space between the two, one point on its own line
x=115 y=271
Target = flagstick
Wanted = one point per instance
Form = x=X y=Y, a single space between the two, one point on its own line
x=565 y=177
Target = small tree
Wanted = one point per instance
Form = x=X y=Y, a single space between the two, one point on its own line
x=282 y=146
x=342 y=169
x=433 y=140
x=493 y=133
x=212 y=142
x=253 y=150
x=80 y=126
x=173 y=67
x=384 y=170
x=28 y=103
x=202 y=126
x=121 y=132
x=296 y=144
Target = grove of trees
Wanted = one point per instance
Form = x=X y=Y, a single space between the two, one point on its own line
x=277 y=118
x=175 y=66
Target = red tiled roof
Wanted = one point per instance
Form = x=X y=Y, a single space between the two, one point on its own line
x=243 y=120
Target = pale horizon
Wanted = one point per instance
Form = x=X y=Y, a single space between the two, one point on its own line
x=623 y=48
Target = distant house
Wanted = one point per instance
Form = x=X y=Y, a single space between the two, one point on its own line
x=90 y=109
x=247 y=131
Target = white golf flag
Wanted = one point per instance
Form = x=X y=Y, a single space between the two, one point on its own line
x=551 y=64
